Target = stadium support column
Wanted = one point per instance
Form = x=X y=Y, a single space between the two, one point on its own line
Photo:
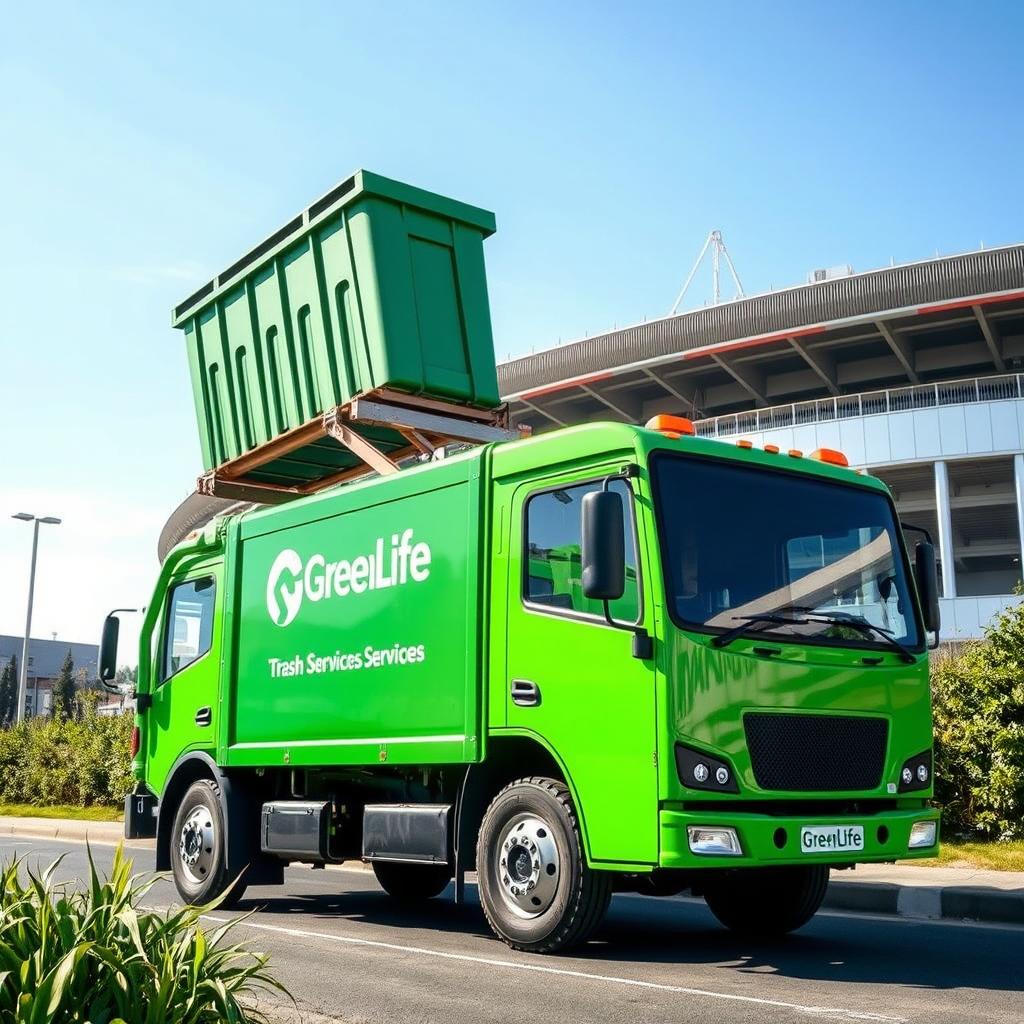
x=945 y=521
x=1018 y=482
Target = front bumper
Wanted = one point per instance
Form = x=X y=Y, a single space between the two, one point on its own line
x=768 y=839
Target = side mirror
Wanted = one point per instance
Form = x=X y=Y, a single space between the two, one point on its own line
x=603 y=552
x=927 y=579
x=108 y=648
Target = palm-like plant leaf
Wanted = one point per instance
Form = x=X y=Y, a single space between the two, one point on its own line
x=97 y=954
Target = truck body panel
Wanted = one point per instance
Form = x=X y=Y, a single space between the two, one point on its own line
x=359 y=631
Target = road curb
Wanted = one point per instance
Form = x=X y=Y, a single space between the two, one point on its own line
x=97 y=833
x=927 y=903
x=65 y=830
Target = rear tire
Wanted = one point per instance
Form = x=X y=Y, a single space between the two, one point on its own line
x=198 y=849
x=412 y=883
x=767 y=902
x=536 y=890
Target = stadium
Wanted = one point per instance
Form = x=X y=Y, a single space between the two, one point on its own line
x=913 y=371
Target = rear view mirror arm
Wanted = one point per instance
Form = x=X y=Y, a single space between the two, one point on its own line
x=643 y=645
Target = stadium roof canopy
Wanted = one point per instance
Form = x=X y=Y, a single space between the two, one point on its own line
x=939 y=319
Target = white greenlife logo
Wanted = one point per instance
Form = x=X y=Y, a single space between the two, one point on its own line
x=290 y=579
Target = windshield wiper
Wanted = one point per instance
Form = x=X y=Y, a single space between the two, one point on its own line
x=759 y=623
x=754 y=624
x=866 y=627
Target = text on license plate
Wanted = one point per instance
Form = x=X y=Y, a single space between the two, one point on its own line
x=829 y=838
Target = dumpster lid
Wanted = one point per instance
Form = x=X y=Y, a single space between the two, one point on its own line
x=359 y=185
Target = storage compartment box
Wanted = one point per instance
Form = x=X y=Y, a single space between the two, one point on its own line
x=296 y=829
x=409 y=833
x=376 y=285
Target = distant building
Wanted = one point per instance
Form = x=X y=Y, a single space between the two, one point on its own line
x=45 y=658
x=915 y=372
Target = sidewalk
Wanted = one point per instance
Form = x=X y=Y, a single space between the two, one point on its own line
x=905 y=890
x=995 y=897
x=103 y=833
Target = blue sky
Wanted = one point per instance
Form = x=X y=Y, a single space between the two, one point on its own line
x=143 y=149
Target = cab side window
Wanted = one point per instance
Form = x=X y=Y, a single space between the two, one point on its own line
x=189 y=631
x=552 y=567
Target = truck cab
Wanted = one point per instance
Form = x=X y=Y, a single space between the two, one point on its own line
x=626 y=658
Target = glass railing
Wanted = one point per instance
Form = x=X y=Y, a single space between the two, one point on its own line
x=869 y=403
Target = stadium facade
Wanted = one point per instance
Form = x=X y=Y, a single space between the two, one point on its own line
x=915 y=372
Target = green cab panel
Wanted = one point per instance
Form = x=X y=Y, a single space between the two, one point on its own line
x=714 y=691
x=378 y=284
x=358 y=626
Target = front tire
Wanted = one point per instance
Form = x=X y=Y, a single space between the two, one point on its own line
x=767 y=902
x=198 y=848
x=536 y=890
x=412 y=883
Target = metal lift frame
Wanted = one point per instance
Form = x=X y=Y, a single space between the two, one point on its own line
x=427 y=425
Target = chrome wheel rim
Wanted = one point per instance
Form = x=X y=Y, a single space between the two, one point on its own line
x=195 y=845
x=527 y=865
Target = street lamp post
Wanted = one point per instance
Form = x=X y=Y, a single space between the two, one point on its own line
x=26 y=517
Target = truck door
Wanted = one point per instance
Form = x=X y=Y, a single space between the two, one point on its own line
x=185 y=674
x=572 y=679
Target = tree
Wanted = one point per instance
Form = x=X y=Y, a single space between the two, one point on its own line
x=8 y=693
x=126 y=677
x=64 y=690
x=978 y=701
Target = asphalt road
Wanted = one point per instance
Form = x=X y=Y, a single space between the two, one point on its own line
x=348 y=953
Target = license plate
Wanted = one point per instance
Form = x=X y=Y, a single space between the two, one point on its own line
x=831 y=838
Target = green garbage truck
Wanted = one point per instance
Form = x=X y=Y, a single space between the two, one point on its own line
x=604 y=658
x=607 y=658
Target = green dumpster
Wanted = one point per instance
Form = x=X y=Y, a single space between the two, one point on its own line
x=376 y=285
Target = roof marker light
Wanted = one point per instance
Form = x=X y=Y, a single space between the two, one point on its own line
x=831 y=456
x=671 y=426
x=796 y=453
x=744 y=443
x=772 y=449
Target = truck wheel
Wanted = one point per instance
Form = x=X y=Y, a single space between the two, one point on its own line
x=412 y=883
x=536 y=889
x=198 y=856
x=767 y=901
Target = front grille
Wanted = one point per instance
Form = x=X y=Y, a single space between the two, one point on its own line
x=828 y=753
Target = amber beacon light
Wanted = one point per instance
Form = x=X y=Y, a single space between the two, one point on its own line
x=671 y=426
x=830 y=455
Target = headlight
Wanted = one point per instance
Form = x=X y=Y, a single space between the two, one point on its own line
x=916 y=772
x=698 y=770
x=922 y=835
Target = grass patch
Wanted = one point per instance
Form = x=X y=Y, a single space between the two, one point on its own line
x=62 y=811
x=990 y=856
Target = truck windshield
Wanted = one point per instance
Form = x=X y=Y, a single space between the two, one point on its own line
x=790 y=555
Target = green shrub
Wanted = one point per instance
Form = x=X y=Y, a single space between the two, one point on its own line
x=82 y=760
x=978 y=701
x=95 y=955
